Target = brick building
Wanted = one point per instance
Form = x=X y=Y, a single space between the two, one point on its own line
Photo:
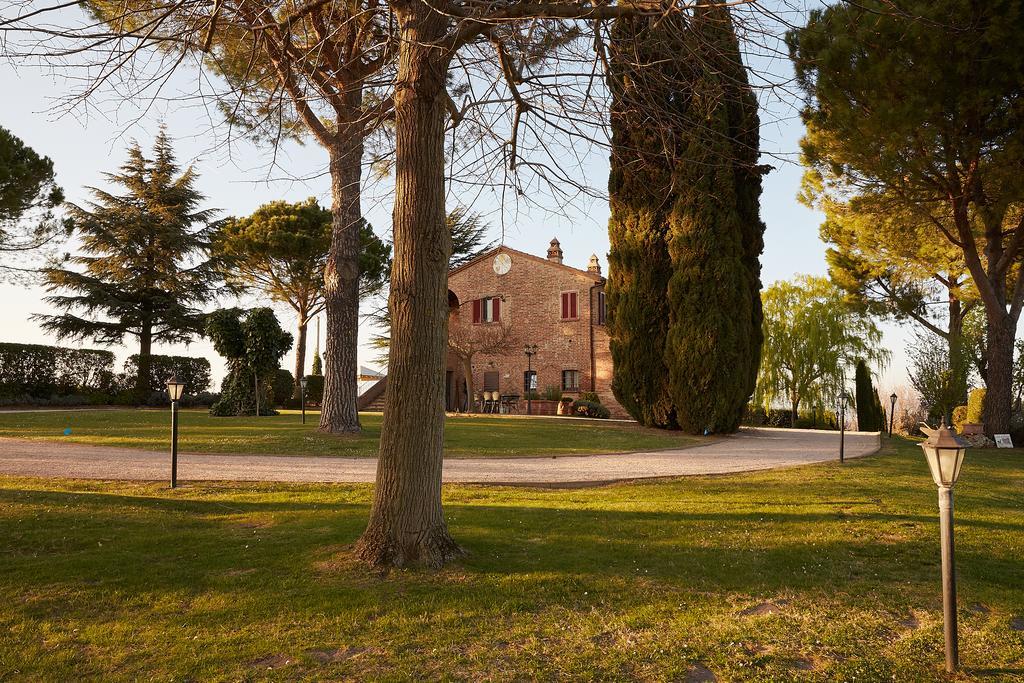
x=505 y=299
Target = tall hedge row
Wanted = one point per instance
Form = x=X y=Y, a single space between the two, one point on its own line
x=40 y=371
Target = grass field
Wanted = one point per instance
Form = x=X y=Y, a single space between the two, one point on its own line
x=285 y=435
x=817 y=573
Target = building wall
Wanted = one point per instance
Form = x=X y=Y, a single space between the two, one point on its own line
x=531 y=308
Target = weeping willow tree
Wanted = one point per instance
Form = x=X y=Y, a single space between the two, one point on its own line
x=684 y=283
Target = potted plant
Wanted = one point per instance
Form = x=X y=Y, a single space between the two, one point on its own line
x=548 y=402
x=972 y=426
x=565 y=405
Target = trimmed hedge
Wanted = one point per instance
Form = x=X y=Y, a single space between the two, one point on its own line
x=194 y=372
x=41 y=372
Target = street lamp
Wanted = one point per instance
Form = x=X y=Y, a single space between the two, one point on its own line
x=174 y=391
x=843 y=400
x=945 y=455
x=302 y=396
x=530 y=350
x=892 y=411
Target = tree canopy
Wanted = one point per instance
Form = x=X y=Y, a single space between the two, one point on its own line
x=29 y=195
x=811 y=341
x=253 y=343
x=282 y=250
x=925 y=105
x=145 y=270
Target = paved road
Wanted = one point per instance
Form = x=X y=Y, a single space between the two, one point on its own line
x=750 y=449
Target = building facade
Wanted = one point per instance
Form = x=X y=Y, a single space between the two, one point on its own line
x=505 y=300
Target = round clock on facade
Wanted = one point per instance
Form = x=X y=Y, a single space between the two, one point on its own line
x=502 y=264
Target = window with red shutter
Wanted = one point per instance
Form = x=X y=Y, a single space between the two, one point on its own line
x=476 y=310
x=569 y=309
x=497 y=309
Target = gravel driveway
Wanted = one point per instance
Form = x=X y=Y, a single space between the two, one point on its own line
x=750 y=449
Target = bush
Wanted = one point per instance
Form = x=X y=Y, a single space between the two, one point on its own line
x=284 y=387
x=314 y=390
x=552 y=393
x=590 y=396
x=193 y=372
x=37 y=371
x=959 y=417
x=976 y=406
x=590 y=409
x=531 y=395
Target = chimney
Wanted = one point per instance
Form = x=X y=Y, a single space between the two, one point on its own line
x=594 y=266
x=555 y=251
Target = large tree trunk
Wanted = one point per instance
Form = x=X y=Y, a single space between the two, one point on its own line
x=999 y=359
x=300 y=356
x=142 y=387
x=407 y=524
x=338 y=412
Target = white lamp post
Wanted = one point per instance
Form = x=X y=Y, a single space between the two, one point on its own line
x=175 y=389
x=945 y=455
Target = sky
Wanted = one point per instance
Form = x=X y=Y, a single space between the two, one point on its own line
x=238 y=177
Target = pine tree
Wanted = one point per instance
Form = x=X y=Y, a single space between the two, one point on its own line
x=145 y=269
x=866 y=397
x=640 y=190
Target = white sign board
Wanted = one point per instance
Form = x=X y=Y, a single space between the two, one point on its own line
x=1004 y=441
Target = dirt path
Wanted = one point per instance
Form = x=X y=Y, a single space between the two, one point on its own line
x=750 y=449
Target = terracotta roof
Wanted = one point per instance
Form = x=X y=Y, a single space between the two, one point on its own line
x=541 y=259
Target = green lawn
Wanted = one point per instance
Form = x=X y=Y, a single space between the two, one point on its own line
x=285 y=435
x=824 y=573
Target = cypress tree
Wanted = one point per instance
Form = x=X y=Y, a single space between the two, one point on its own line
x=715 y=237
x=869 y=408
x=640 y=191
x=145 y=271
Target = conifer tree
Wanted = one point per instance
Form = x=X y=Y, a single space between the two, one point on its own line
x=639 y=188
x=684 y=281
x=145 y=270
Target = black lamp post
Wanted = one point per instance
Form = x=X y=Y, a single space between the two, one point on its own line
x=843 y=400
x=892 y=411
x=174 y=391
x=530 y=350
x=302 y=396
x=945 y=455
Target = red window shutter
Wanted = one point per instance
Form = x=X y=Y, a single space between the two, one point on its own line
x=476 y=310
x=565 y=305
x=573 y=311
x=497 y=308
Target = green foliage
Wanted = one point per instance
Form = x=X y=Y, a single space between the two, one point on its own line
x=870 y=417
x=976 y=405
x=918 y=113
x=940 y=379
x=639 y=266
x=194 y=372
x=253 y=343
x=582 y=408
x=811 y=339
x=590 y=396
x=29 y=196
x=960 y=417
x=314 y=389
x=552 y=393
x=143 y=272
x=283 y=386
x=685 y=228
x=36 y=371
x=318 y=368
